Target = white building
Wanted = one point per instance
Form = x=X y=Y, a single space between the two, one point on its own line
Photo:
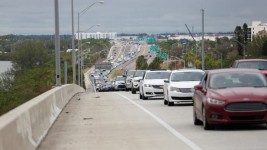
x=211 y=37
x=256 y=27
x=97 y=35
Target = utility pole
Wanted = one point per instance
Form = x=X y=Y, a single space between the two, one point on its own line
x=57 y=45
x=202 y=43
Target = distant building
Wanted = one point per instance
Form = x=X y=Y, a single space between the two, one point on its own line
x=97 y=35
x=198 y=37
x=256 y=27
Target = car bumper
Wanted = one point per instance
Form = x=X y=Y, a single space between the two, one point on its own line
x=128 y=85
x=153 y=92
x=120 y=87
x=218 y=115
x=180 y=97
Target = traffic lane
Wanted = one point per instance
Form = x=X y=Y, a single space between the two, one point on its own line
x=180 y=117
x=104 y=121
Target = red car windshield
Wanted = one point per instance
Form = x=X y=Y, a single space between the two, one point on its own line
x=229 y=80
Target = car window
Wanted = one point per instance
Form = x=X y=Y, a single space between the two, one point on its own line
x=139 y=73
x=186 y=76
x=203 y=80
x=157 y=75
x=120 y=79
x=229 y=80
x=129 y=73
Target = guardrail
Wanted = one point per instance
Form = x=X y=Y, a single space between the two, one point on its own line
x=24 y=127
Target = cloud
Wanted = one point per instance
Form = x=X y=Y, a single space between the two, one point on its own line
x=151 y=16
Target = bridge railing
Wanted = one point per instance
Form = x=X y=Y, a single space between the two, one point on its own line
x=25 y=127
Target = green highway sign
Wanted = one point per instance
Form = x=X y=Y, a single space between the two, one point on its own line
x=162 y=55
x=154 y=48
x=150 y=40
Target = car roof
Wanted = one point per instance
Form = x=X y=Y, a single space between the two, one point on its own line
x=232 y=70
x=188 y=70
x=246 y=60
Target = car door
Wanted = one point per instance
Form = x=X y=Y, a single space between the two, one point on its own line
x=199 y=95
x=166 y=86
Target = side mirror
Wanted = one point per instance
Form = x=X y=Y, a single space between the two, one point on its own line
x=198 y=87
x=166 y=81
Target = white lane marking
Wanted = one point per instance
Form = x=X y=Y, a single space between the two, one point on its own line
x=164 y=124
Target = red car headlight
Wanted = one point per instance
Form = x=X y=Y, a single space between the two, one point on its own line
x=215 y=101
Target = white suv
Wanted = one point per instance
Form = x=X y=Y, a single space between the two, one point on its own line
x=180 y=86
x=152 y=83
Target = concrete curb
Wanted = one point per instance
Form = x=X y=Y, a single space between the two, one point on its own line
x=25 y=126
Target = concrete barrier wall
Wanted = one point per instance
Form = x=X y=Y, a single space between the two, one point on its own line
x=24 y=127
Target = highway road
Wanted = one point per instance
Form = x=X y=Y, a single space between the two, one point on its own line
x=121 y=121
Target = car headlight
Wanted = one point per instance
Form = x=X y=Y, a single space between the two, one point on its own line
x=174 y=89
x=147 y=85
x=215 y=101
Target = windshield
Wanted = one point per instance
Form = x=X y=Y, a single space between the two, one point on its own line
x=262 y=65
x=186 y=76
x=120 y=78
x=130 y=73
x=158 y=75
x=227 y=80
x=139 y=73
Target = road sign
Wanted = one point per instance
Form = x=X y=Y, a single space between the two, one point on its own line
x=154 y=48
x=183 y=41
x=150 y=40
x=162 y=55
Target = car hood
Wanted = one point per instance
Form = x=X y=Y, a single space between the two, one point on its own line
x=243 y=93
x=155 y=81
x=184 y=84
x=137 y=78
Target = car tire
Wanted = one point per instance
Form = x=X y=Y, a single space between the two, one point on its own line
x=206 y=125
x=196 y=121
x=168 y=102
x=165 y=102
x=133 y=91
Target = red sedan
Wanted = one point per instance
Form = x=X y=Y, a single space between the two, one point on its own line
x=229 y=96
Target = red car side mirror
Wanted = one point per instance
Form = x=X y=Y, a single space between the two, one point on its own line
x=198 y=87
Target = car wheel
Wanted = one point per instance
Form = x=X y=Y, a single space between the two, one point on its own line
x=133 y=91
x=196 y=121
x=206 y=125
x=168 y=102
x=165 y=102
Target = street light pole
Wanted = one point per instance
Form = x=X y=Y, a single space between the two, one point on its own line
x=81 y=13
x=73 y=46
x=57 y=44
x=202 y=49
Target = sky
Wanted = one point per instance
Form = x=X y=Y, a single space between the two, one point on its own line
x=129 y=16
